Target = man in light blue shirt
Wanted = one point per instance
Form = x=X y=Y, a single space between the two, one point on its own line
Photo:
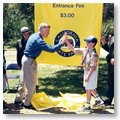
x=33 y=49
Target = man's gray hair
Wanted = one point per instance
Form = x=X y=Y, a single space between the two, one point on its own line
x=43 y=25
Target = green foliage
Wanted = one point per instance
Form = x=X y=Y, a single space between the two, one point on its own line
x=108 y=19
x=15 y=16
x=108 y=11
x=107 y=28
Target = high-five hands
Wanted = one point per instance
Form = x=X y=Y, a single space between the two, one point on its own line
x=64 y=38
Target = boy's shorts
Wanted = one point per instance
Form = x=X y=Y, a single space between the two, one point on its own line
x=92 y=83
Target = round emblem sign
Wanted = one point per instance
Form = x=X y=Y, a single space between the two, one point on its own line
x=72 y=38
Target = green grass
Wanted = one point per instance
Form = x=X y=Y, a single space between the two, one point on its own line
x=60 y=78
x=68 y=79
x=53 y=79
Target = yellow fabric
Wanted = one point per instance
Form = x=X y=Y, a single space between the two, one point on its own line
x=41 y=101
x=82 y=19
x=68 y=102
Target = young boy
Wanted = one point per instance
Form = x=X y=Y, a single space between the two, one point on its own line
x=89 y=62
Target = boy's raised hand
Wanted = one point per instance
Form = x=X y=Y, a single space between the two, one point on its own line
x=64 y=38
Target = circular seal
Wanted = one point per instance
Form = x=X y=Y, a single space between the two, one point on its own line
x=72 y=38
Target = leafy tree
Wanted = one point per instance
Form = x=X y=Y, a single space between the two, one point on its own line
x=28 y=13
x=15 y=16
x=108 y=19
x=108 y=11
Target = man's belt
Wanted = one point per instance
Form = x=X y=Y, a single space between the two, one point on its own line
x=30 y=57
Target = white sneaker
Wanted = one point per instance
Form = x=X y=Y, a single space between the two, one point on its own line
x=98 y=103
x=84 y=110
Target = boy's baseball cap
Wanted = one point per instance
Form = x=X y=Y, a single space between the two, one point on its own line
x=91 y=38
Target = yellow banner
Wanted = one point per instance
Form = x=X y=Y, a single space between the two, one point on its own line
x=79 y=20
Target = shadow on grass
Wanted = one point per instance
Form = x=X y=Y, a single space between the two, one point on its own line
x=65 y=81
x=70 y=81
x=11 y=109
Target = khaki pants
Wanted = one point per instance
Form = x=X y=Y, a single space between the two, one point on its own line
x=28 y=80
